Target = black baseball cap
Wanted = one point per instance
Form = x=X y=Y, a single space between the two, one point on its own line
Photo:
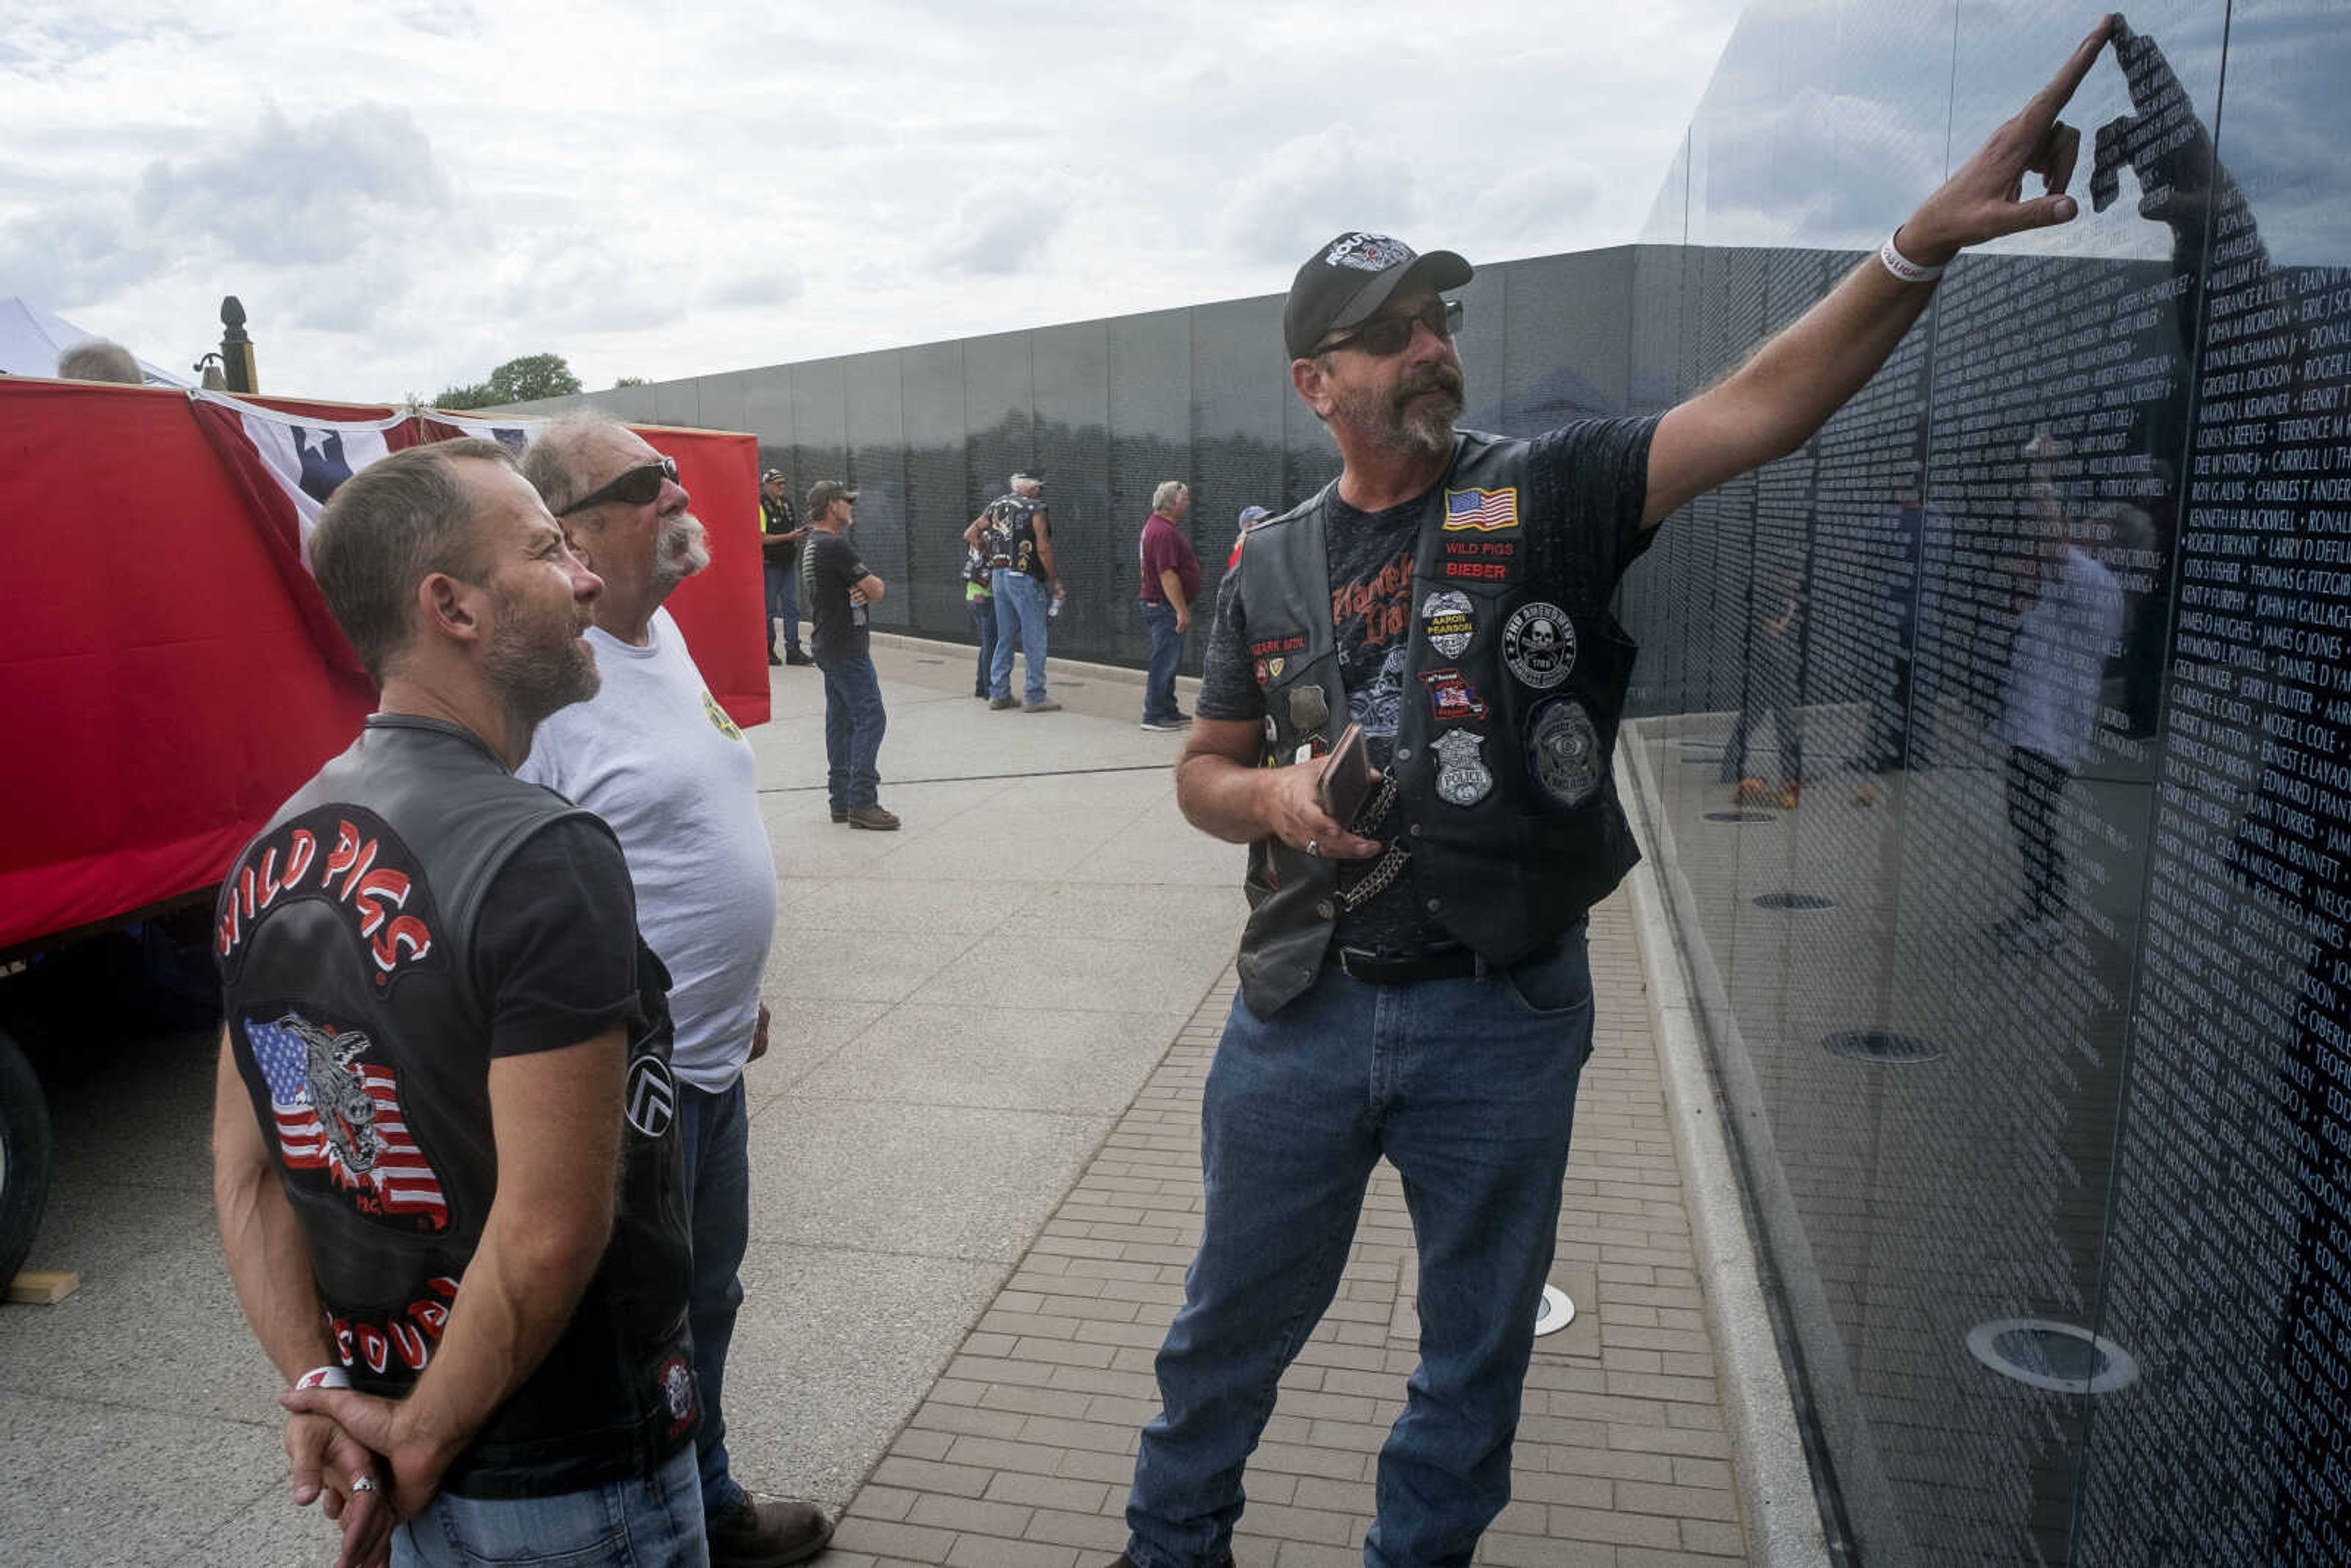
x=1349 y=277
x=824 y=492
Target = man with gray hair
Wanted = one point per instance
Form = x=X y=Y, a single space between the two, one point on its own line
x=656 y=757
x=1171 y=582
x=96 y=360
x=444 y=1167
x=1020 y=542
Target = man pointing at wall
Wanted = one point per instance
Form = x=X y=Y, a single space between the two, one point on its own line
x=1414 y=979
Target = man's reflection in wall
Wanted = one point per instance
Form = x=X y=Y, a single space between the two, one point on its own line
x=2070 y=612
x=1902 y=718
x=1774 y=667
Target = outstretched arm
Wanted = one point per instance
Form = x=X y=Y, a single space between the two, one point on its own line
x=1788 y=387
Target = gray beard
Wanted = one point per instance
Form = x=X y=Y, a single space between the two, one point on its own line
x=1405 y=421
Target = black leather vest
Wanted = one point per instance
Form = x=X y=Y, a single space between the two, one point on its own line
x=1512 y=691
x=346 y=938
x=1017 y=518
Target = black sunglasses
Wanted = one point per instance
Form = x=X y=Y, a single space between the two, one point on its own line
x=1384 y=335
x=637 y=486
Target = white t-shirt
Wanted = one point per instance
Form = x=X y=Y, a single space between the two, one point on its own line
x=2050 y=702
x=657 y=757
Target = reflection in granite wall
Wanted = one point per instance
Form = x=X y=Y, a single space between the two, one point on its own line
x=1996 y=747
x=2031 y=670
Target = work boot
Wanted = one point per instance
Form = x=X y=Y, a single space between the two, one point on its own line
x=767 y=1534
x=841 y=813
x=798 y=656
x=1042 y=704
x=772 y=657
x=874 y=817
x=998 y=704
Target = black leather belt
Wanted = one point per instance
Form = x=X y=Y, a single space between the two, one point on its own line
x=1461 y=964
x=1372 y=967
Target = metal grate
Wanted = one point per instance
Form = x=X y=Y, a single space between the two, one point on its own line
x=1881 y=1045
x=1795 y=901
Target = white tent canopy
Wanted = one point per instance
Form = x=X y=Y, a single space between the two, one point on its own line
x=31 y=340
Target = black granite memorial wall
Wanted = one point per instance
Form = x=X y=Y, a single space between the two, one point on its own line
x=1995 y=750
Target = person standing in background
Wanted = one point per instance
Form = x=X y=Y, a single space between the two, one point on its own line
x=1171 y=582
x=840 y=590
x=779 y=550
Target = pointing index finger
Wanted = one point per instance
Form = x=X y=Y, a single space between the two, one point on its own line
x=2041 y=113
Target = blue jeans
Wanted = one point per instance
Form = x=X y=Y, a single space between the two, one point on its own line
x=983 y=627
x=1020 y=617
x=1166 y=653
x=784 y=604
x=854 y=723
x=1467 y=1087
x=717 y=1135
x=646 y=1522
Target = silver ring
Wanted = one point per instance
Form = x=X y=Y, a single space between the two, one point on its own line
x=1313 y=848
x=362 y=1483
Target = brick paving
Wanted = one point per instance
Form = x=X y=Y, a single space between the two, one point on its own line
x=1020 y=1455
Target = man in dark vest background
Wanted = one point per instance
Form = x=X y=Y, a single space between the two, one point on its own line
x=446 y=1157
x=1413 y=982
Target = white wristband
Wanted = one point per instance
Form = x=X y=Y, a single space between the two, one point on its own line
x=1903 y=268
x=323 y=1377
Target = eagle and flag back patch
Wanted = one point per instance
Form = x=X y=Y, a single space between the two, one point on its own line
x=1484 y=511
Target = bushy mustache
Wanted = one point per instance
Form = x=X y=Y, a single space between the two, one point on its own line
x=1433 y=378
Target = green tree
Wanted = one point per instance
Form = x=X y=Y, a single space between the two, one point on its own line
x=630 y=381
x=517 y=381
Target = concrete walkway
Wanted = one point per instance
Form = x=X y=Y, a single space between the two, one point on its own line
x=974 y=1193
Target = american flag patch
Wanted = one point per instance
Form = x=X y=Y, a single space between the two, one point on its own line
x=368 y=1149
x=1484 y=511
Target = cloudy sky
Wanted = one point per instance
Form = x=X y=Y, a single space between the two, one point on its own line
x=405 y=194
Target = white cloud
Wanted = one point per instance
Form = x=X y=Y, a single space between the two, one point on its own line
x=1314 y=186
x=404 y=197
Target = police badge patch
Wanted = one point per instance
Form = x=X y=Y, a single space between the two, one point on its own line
x=1564 y=752
x=1539 y=644
x=1462 y=776
x=1446 y=615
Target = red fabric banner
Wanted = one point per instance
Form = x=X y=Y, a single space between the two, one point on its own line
x=162 y=686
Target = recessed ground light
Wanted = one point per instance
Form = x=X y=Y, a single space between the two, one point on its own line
x=1794 y=901
x=2042 y=1353
x=1881 y=1045
x=1555 y=1313
x=1742 y=817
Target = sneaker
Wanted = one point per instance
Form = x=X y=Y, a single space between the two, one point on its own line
x=1042 y=704
x=841 y=813
x=773 y=658
x=874 y=817
x=998 y=704
x=1181 y=721
x=1749 y=792
x=1123 y=1560
x=768 y=1534
x=798 y=657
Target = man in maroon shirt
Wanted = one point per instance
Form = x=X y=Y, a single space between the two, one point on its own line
x=1171 y=580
